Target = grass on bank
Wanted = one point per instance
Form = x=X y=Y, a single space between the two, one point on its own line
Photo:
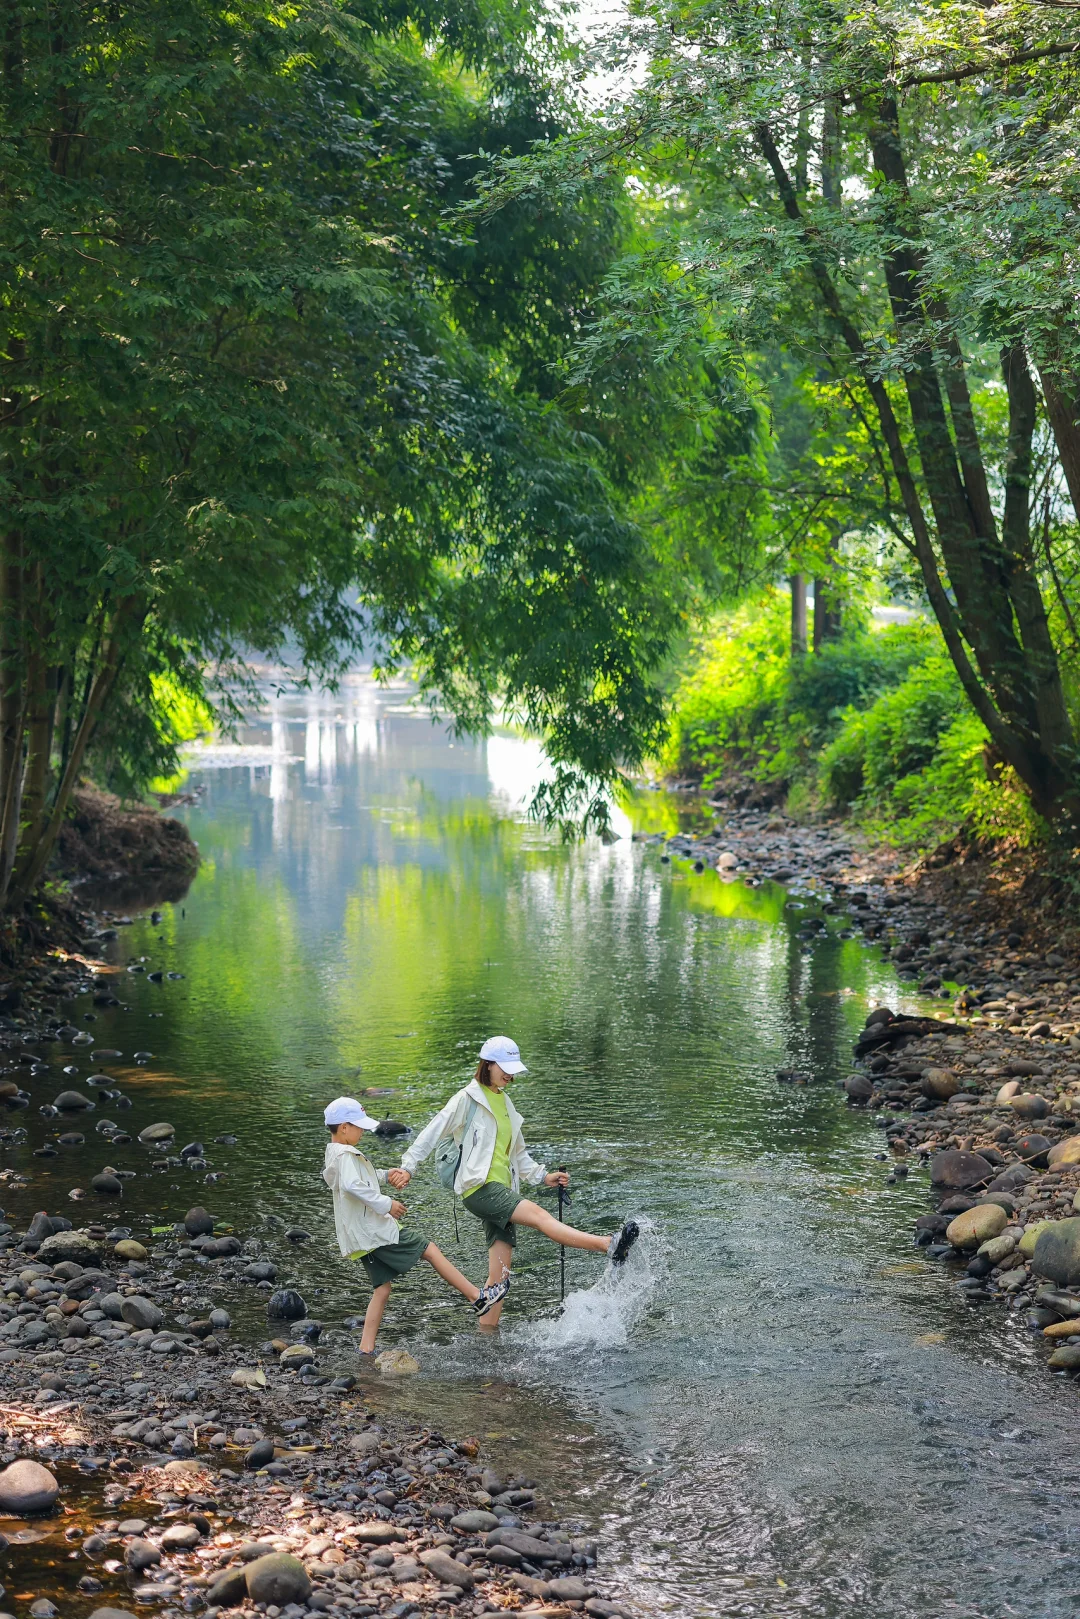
x=874 y=725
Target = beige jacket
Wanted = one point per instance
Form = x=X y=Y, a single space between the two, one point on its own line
x=361 y=1211
x=479 y=1149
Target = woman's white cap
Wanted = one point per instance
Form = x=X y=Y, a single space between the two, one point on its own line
x=347 y=1110
x=501 y=1049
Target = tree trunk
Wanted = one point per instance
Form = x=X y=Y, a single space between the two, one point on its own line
x=34 y=857
x=1005 y=697
x=1062 y=397
x=798 y=615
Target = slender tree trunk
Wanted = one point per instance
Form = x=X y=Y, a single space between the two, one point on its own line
x=983 y=611
x=798 y=615
x=1055 y=729
x=34 y=858
x=1063 y=408
x=12 y=704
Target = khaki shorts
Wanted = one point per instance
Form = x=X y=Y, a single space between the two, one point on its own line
x=494 y=1203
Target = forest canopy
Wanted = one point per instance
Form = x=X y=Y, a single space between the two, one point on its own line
x=358 y=327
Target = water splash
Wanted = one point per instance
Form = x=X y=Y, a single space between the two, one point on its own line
x=604 y=1315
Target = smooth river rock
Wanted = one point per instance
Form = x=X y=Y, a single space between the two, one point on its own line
x=157 y=1132
x=939 y=1083
x=977 y=1225
x=26 y=1486
x=1064 y=1152
x=285 y=1305
x=141 y=1313
x=1057 y=1252
x=447 y=1569
x=957 y=1171
x=1032 y=1233
x=277 y=1578
x=397 y=1363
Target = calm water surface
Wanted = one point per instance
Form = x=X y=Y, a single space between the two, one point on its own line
x=781 y=1409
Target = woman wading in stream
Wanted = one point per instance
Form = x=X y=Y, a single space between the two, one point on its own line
x=487 y=1159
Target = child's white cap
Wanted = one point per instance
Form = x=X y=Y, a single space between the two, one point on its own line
x=347 y=1110
x=501 y=1049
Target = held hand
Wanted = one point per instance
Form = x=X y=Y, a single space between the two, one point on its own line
x=398 y=1210
x=559 y=1178
x=399 y=1178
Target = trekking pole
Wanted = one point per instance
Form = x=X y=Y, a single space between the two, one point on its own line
x=562 y=1249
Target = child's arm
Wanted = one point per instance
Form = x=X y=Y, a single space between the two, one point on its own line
x=353 y=1186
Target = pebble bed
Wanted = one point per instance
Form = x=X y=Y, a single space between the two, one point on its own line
x=226 y=1474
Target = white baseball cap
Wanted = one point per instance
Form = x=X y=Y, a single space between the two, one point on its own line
x=347 y=1110
x=501 y=1049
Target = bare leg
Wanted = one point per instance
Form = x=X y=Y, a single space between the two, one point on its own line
x=500 y=1258
x=450 y=1273
x=373 y=1317
x=531 y=1214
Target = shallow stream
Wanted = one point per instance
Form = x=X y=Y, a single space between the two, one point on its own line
x=783 y=1408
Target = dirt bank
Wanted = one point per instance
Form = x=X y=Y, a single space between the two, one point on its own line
x=125 y=849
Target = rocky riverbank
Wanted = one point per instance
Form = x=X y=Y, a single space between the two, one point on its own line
x=228 y=1476
x=986 y=1095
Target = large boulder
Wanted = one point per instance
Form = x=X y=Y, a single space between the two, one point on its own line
x=76 y=1245
x=157 y=1132
x=956 y=1171
x=1032 y=1233
x=447 y=1569
x=277 y=1578
x=977 y=1225
x=285 y=1305
x=1057 y=1252
x=197 y=1223
x=26 y=1486
x=1029 y=1105
x=939 y=1083
x=141 y=1313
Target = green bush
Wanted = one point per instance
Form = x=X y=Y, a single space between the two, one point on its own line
x=746 y=698
x=895 y=736
x=876 y=723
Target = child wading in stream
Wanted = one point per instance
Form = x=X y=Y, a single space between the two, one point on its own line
x=367 y=1223
x=492 y=1162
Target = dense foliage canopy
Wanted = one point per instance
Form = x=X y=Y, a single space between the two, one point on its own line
x=867 y=215
x=263 y=387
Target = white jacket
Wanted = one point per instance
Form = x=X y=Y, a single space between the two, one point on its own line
x=361 y=1212
x=479 y=1149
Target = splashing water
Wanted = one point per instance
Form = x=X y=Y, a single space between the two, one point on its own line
x=605 y=1314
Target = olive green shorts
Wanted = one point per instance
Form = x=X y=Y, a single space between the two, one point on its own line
x=394 y=1259
x=494 y=1203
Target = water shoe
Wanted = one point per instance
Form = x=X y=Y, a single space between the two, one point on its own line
x=622 y=1242
x=492 y=1294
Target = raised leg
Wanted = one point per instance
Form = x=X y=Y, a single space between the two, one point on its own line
x=373 y=1317
x=531 y=1214
x=450 y=1273
x=500 y=1258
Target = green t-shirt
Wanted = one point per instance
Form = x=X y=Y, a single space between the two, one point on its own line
x=500 y=1163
